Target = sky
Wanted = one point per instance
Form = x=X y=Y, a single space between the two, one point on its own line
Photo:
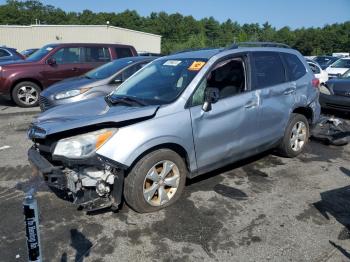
x=279 y=13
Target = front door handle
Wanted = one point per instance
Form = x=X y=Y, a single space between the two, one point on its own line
x=251 y=104
x=74 y=69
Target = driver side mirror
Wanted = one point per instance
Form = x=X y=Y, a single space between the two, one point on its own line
x=211 y=96
x=51 y=61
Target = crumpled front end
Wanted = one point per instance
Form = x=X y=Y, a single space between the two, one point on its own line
x=91 y=184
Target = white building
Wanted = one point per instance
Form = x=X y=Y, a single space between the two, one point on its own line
x=36 y=36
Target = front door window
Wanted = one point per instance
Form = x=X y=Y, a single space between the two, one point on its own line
x=227 y=76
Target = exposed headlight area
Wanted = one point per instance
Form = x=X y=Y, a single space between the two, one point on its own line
x=82 y=146
x=325 y=90
x=71 y=93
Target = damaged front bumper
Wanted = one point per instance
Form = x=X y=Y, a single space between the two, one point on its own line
x=91 y=187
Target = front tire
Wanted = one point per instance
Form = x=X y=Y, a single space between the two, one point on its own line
x=26 y=94
x=295 y=137
x=156 y=181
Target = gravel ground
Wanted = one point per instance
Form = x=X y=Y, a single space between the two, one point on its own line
x=264 y=208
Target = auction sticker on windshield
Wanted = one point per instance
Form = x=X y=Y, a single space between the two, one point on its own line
x=172 y=63
x=196 y=66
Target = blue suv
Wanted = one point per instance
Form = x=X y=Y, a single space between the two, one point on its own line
x=9 y=54
x=178 y=117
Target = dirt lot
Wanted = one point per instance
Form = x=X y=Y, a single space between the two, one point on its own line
x=262 y=209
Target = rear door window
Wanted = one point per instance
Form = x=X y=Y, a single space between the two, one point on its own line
x=295 y=68
x=97 y=54
x=4 y=53
x=68 y=55
x=123 y=52
x=269 y=69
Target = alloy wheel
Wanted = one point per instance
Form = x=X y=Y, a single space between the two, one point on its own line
x=298 y=136
x=28 y=95
x=161 y=183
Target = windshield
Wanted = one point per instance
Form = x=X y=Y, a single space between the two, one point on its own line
x=38 y=55
x=108 y=69
x=162 y=81
x=346 y=74
x=341 y=63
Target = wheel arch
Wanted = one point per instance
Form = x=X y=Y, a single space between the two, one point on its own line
x=177 y=148
x=26 y=79
x=305 y=111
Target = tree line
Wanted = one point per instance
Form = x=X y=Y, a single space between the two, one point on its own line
x=183 y=32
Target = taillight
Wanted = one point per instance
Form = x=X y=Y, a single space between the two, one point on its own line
x=315 y=82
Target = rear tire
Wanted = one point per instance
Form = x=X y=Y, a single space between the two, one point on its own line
x=26 y=94
x=295 y=137
x=148 y=189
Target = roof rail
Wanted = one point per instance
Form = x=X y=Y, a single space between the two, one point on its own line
x=258 y=44
x=194 y=49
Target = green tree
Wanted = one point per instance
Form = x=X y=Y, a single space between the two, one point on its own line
x=183 y=32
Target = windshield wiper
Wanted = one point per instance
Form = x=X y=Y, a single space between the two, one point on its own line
x=128 y=100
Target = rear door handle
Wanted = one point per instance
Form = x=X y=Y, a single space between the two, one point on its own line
x=289 y=91
x=74 y=69
x=251 y=104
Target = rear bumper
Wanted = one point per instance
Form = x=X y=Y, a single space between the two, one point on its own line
x=341 y=103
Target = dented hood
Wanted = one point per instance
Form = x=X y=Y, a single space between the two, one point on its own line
x=85 y=113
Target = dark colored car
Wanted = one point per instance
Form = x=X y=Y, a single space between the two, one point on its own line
x=9 y=54
x=325 y=61
x=22 y=81
x=336 y=93
x=29 y=52
x=97 y=82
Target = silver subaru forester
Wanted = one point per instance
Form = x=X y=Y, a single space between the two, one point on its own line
x=178 y=117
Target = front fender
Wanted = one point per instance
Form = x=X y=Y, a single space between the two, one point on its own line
x=132 y=141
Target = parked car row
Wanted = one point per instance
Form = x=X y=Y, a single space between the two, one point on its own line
x=334 y=75
x=325 y=61
x=335 y=94
x=339 y=67
x=9 y=54
x=23 y=80
x=98 y=82
x=178 y=117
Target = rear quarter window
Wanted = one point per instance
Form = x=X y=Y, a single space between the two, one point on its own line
x=314 y=68
x=123 y=52
x=97 y=54
x=268 y=69
x=295 y=68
